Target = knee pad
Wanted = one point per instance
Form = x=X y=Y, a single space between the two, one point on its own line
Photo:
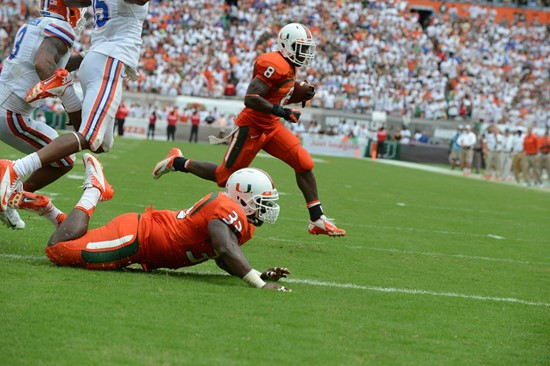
x=304 y=161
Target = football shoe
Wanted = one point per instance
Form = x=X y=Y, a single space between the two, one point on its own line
x=8 y=181
x=323 y=226
x=10 y=218
x=167 y=164
x=96 y=178
x=53 y=86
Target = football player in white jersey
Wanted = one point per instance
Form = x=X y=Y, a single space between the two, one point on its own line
x=116 y=42
x=42 y=46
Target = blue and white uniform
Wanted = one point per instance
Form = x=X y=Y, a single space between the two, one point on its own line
x=116 y=44
x=18 y=76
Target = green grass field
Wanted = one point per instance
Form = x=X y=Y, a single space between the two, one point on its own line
x=434 y=270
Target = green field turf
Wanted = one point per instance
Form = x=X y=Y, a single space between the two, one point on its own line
x=435 y=270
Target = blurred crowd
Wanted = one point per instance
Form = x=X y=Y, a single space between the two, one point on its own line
x=506 y=153
x=372 y=55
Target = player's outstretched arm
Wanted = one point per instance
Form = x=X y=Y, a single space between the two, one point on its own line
x=231 y=257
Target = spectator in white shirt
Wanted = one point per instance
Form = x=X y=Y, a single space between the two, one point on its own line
x=519 y=161
x=467 y=141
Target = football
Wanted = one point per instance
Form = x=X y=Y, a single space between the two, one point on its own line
x=301 y=88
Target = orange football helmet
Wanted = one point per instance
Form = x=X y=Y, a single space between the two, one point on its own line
x=57 y=9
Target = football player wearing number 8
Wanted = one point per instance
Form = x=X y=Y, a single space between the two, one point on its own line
x=41 y=47
x=116 y=42
x=259 y=126
x=213 y=228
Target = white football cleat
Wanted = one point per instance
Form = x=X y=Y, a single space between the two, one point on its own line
x=96 y=178
x=167 y=164
x=8 y=181
x=11 y=219
x=323 y=226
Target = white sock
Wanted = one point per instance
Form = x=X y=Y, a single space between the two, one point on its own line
x=52 y=214
x=89 y=200
x=27 y=165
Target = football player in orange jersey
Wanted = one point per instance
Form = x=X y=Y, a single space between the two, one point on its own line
x=213 y=228
x=259 y=126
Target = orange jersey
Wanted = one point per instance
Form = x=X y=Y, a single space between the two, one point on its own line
x=530 y=144
x=274 y=70
x=544 y=144
x=174 y=239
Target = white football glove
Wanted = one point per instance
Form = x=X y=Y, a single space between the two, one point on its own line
x=132 y=73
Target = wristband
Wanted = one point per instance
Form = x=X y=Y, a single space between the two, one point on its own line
x=70 y=100
x=279 y=111
x=253 y=279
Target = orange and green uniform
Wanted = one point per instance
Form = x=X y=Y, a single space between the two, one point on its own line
x=264 y=131
x=155 y=239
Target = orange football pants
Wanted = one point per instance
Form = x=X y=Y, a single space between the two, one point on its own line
x=112 y=246
x=248 y=141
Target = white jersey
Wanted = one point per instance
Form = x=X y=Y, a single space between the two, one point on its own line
x=493 y=141
x=117 y=29
x=467 y=139
x=18 y=72
x=518 y=144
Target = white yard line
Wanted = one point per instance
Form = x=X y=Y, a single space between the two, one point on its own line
x=415 y=292
x=339 y=285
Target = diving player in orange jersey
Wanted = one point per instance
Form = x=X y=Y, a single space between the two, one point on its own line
x=259 y=125
x=213 y=228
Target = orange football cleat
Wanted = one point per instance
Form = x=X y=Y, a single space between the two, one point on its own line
x=30 y=201
x=167 y=164
x=96 y=178
x=8 y=180
x=323 y=226
x=53 y=86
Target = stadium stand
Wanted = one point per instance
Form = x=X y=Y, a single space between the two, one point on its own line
x=372 y=55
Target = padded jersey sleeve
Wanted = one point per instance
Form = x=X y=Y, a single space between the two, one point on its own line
x=231 y=214
x=269 y=70
x=61 y=30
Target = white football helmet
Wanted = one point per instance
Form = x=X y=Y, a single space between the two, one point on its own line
x=296 y=43
x=255 y=192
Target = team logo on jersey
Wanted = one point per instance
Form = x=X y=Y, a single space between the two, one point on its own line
x=248 y=189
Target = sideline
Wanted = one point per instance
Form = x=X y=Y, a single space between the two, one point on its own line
x=448 y=171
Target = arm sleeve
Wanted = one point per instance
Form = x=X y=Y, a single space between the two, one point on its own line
x=62 y=31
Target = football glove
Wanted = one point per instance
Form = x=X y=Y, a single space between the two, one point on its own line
x=54 y=86
x=289 y=114
x=132 y=73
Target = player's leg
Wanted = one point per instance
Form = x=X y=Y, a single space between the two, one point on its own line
x=112 y=246
x=282 y=144
x=26 y=135
x=96 y=188
x=245 y=144
x=103 y=78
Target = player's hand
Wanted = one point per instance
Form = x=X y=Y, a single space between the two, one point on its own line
x=132 y=73
x=292 y=115
x=53 y=86
x=289 y=114
x=275 y=274
x=276 y=287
